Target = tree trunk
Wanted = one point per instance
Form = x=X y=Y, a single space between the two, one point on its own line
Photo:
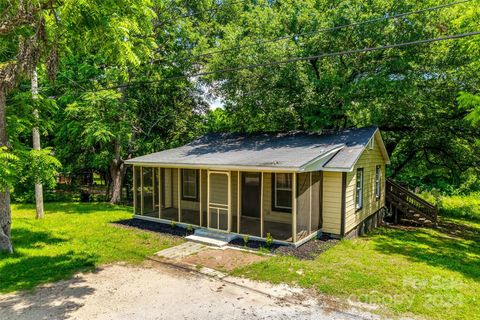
x=5 y=215
x=117 y=171
x=36 y=146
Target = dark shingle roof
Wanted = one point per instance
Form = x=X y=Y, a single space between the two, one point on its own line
x=292 y=151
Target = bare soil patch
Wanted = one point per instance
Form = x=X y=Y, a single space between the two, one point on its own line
x=223 y=260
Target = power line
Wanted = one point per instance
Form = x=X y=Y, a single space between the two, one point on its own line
x=355 y=24
x=296 y=59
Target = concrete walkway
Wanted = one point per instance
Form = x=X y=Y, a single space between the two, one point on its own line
x=182 y=250
x=154 y=291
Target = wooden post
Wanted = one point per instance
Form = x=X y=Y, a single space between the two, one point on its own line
x=310 y=204
x=261 y=205
x=160 y=193
x=229 y=201
x=208 y=198
x=294 y=207
x=200 y=194
x=141 y=190
x=179 y=196
x=238 y=201
x=153 y=189
x=134 y=169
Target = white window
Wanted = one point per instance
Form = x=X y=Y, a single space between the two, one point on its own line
x=378 y=177
x=370 y=143
x=283 y=192
x=189 y=184
x=359 y=189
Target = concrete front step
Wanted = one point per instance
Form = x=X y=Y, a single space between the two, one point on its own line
x=206 y=241
x=218 y=235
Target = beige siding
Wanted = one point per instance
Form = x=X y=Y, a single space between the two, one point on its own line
x=332 y=202
x=268 y=213
x=368 y=160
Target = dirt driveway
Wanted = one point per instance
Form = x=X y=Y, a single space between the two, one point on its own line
x=154 y=291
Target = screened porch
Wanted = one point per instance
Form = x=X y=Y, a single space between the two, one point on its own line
x=257 y=204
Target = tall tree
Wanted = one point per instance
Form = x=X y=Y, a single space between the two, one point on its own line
x=22 y=27
x=36 y=146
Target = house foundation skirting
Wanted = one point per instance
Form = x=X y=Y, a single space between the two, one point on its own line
x=366 y=225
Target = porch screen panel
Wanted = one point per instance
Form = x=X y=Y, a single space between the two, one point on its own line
x=218 y=201
x=168 y=210
x=303 y=205
x=203 y=196
x=316 y=198
x=190 y=196
x=156 y=190
x=148 y=180
x=250 y=185
x=137 y=190
x=278 y=192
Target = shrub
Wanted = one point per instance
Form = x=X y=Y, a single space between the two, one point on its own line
x=269 y=240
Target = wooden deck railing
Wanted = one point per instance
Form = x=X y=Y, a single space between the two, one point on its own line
x=406 y=200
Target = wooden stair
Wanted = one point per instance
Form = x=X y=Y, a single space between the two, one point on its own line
x=407 y=208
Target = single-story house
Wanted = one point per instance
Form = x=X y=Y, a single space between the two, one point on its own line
x=287 y=186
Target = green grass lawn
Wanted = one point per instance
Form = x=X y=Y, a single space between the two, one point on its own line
x=422 y=272
x=72 y=237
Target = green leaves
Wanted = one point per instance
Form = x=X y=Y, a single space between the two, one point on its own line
x=470 y=103
x=8 y=164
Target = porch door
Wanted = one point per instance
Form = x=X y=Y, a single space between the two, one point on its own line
x=251 y=194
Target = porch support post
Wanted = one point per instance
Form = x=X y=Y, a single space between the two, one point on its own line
x=141 y=190
x=294 y=207
x=229 y=201
x=200 y=194
x=135 y=189
x=208 y=198
x=154 y=170
x=160 y=193
x=179 y=196
x=238 y=201
x=261 y=205
x=310 y=203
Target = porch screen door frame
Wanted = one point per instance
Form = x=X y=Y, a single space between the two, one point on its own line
x=219 y=206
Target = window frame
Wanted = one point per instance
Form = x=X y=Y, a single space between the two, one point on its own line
x=359 y=189
x=378 y=181
x=275 y=207
x=188 y=197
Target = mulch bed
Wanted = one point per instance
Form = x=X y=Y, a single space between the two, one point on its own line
x=307 y=251
x=154 y=227
x=253 y=244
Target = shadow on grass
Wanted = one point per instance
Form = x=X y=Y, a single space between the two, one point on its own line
x=439 y=248
x=52 y=302
x=26 y=272
x=27 y=239
x=76 y=207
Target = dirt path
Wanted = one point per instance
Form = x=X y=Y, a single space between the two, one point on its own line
x=154 y=291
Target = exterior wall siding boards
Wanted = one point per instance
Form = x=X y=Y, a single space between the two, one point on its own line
x=316 y=197
x=368 y=160
x=332 y=202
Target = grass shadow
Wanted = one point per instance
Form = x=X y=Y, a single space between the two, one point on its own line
x=458 y=252
x=53 y=302
x=27 y=239
x=26 y=272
